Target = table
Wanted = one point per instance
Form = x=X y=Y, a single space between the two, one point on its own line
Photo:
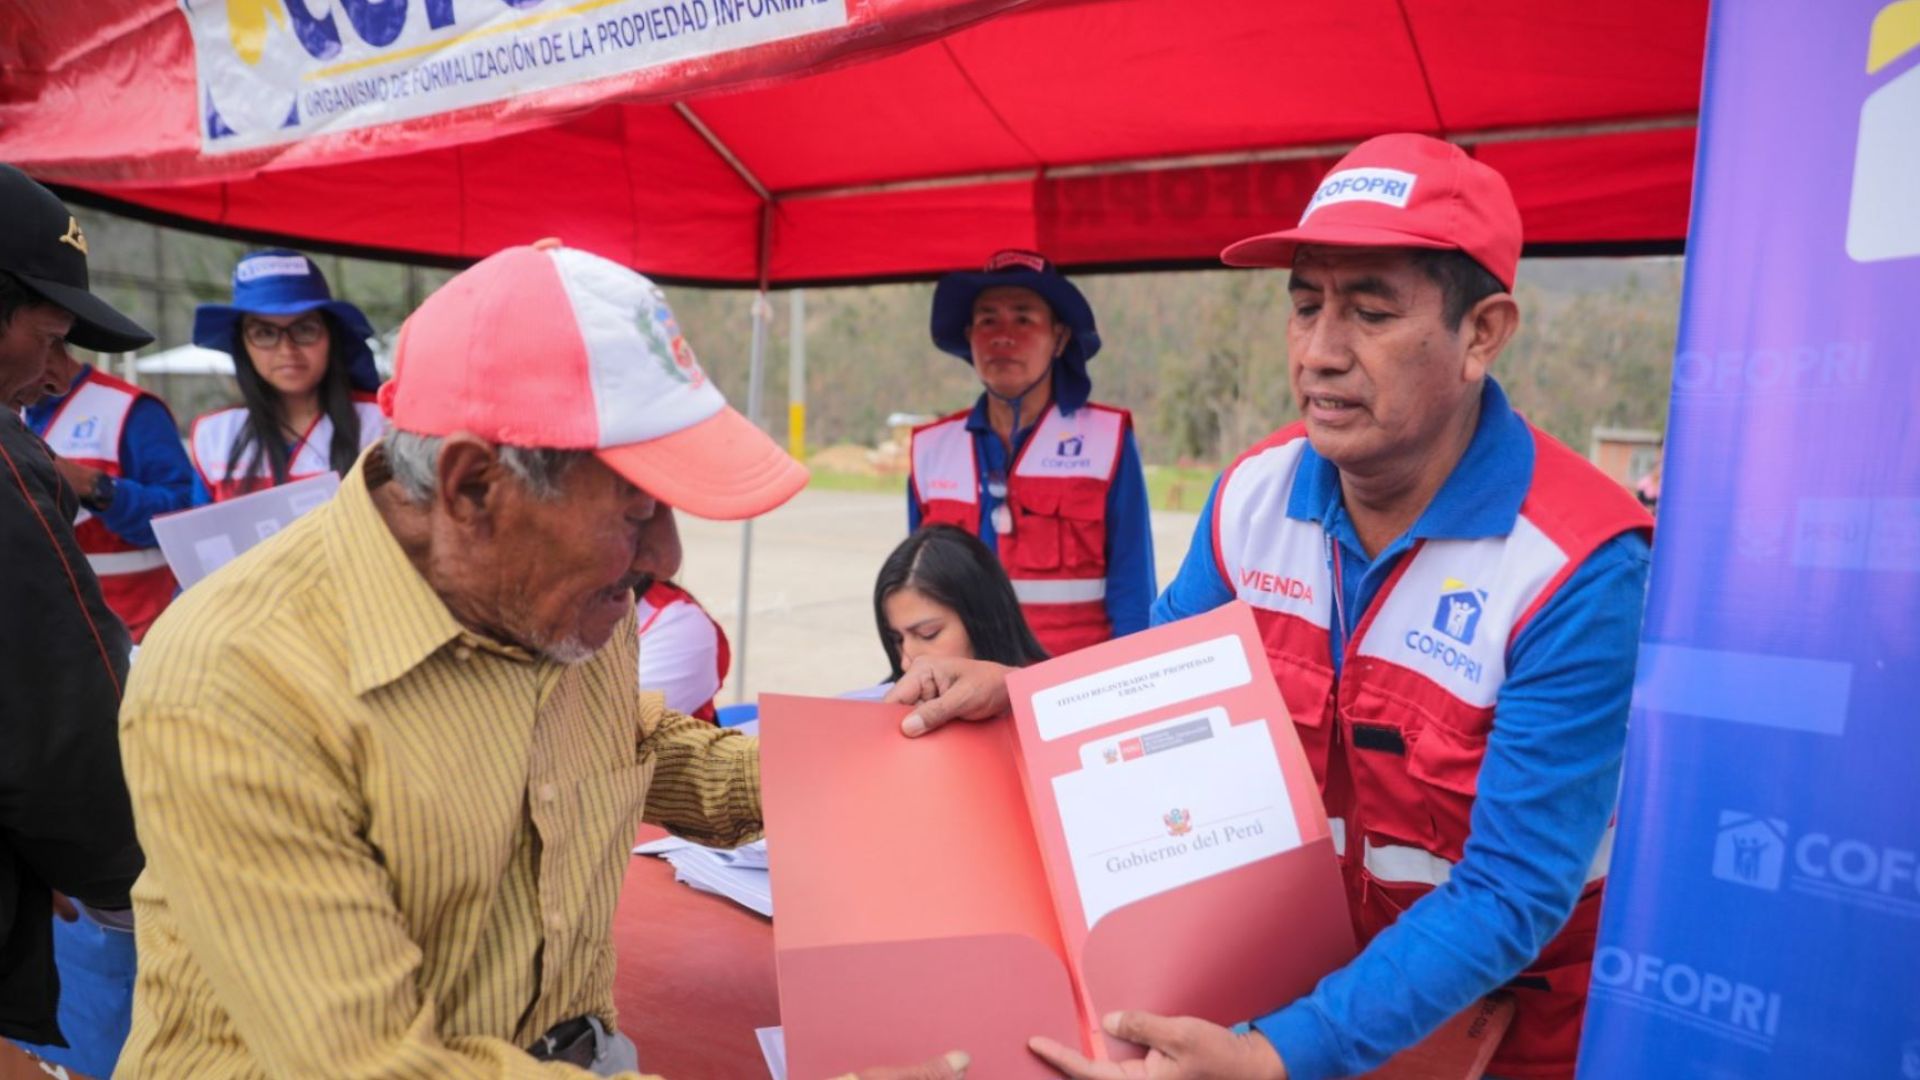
x=695 y=976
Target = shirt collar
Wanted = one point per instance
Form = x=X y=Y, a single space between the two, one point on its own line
x=394 y=619
x=1480 y=498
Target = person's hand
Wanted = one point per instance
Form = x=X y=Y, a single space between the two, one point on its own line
x=949 y=1066
x=64 y=908
x=78 y=477
x=945 y=688
x=1178 y=1048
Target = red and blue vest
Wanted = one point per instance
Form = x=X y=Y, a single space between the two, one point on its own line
x=135 y=581
x=1397 y=738
x=211 y=445
x=1056 y=553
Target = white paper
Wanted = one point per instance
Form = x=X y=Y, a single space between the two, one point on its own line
x=1163 y=820
x=739 y=874
x=773 y=1047
x=1169 y=678
x=199 y=541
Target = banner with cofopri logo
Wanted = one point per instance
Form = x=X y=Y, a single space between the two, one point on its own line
x=275 y=71
x=1762 y=918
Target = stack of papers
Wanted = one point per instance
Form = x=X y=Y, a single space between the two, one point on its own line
x=739 y=874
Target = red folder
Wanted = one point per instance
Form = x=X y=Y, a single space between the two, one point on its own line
x=926 y=888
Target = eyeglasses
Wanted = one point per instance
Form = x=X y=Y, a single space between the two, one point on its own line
x=265 y=335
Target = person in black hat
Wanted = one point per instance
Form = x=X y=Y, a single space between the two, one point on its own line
x=65 y=821
x=306 y=380
x=1048 y=479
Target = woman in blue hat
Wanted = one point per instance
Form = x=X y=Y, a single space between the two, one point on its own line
x=1046 y=478
x=306 y=380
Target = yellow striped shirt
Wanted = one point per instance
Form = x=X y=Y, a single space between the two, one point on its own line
x=379 y=844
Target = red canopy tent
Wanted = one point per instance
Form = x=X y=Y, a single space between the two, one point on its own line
x=907 y=138
x=789 y=142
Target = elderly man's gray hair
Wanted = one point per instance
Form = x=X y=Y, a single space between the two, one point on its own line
x=414 y=458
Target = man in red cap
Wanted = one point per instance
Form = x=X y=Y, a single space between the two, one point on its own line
x=1451 y=605
x=388 y=764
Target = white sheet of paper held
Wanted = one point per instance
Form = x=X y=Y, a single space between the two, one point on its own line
x=199 y=541
x=1205 y=801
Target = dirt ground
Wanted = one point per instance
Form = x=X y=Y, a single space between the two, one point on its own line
x=811 y=628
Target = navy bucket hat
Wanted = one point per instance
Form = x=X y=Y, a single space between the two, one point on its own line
x=953 y=301
x=282 y=282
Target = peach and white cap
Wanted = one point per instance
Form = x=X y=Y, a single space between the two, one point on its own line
x=550 y=347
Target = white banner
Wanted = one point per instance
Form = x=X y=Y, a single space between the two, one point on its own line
x=276 y=71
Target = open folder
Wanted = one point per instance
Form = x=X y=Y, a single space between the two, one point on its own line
x=1144 y=833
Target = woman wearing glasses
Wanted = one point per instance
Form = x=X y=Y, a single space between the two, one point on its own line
x=306 y=380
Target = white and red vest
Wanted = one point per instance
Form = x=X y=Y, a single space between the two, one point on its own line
x=1056 y=555
x=86 y=429
x=672 y=622
x=214 y=433
x=1397 y=739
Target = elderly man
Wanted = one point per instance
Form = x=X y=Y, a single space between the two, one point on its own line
x=1050 y=481
x=389 y=763
x=1455 y=644
x=64 y=820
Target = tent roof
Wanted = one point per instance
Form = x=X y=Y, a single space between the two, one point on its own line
x=1108 y=133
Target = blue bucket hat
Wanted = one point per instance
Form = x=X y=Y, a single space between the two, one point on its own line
x=282 y=282
x=953 y=301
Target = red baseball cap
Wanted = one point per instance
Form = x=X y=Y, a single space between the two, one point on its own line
x=552 y=348
x=1402 y=191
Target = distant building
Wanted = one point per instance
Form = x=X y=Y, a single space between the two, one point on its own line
x=1629 y=455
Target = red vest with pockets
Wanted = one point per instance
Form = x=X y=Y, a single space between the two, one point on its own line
x=86 y=429
x=1056 y=555
x=212 y=443
x=1397 y=740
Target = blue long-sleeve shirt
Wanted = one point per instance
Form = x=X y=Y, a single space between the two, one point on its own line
x=1547 y=786
x=1131 y=583
x=156 y=477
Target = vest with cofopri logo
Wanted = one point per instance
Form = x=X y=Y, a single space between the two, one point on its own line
x=214 y=434
x=135 y=581
x=1396 y=740
x=1056 y=553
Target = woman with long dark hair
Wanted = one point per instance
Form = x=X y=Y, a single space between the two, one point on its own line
x=306 y=380
x=942 y=593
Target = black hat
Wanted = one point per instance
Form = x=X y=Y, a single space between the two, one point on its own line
x=41 y=244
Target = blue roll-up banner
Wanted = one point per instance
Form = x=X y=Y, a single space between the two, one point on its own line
x=1762 y=918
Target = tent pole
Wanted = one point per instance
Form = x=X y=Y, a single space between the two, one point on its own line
x=756 y=384
x=756 y=381
x=797 y=375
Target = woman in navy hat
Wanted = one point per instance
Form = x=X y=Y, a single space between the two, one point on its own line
x=306 y=380
x=1046 y=478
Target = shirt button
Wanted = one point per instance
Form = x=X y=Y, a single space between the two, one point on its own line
x=548 y=793
x=463 y=653
x=556 y=922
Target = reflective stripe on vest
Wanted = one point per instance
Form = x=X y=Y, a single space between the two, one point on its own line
x=1059 y=590
x=1338 y=826
x=1396 y=864
x=137 y=561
